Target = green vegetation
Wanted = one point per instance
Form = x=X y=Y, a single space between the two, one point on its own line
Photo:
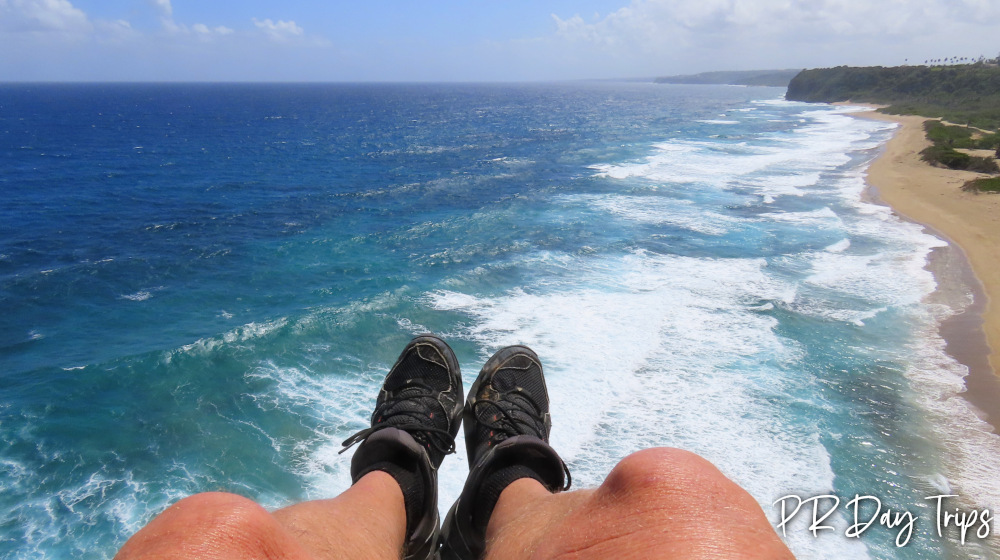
x=964 y=93
x=988 y=184
x=961 y=136
x=967 y=94
x=948 y=138
x=946 y=156
x=954 y=136
x=953 y=159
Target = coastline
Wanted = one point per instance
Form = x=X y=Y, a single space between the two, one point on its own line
x=970 y=223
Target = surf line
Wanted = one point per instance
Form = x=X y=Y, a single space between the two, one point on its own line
x=825 y=505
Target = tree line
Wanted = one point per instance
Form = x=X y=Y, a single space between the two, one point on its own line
x=965 y=94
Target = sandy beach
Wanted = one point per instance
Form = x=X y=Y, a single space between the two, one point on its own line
x=933 y=197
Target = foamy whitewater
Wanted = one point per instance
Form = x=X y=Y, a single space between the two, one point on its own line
x=697 y=267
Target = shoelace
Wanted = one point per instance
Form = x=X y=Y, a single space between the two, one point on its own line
x=506 y=424
x=409 y=420
x=516 y=414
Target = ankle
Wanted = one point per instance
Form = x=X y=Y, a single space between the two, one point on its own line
x=520 y=496
x=411 y=485
x=394 y=452
x=494 y=486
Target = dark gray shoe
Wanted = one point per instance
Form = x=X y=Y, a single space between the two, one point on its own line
x=413 y=427
x=506 y=428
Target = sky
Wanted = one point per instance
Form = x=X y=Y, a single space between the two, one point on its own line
x=474 y=40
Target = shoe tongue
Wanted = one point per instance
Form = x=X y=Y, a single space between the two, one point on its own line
x=410 y=392
x=399 y=420
x=416 y=406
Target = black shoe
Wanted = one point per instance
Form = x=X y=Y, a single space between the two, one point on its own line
x=506 y=433
x=414 y=425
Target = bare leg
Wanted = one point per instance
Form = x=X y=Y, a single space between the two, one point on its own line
x=657 y=503
x=417 y=415
x=365 y=522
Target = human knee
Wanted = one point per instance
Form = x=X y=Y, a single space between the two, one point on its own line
x=664 y=503
x=214 y=502
x=679 y=476
x=207 y=525
x=223 y=513
x=659 y=468
x=709 y=515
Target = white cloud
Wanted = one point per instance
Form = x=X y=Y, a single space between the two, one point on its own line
x=170 y=25
x=166 y=9
x=280 y=30
x=167 y=17
x=730 y=34
x=654 y=20
x=202 y=29
x=54 y=40
x=114 y=31
x=42 y=15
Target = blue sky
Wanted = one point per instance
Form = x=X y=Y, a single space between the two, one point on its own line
x=474 y=40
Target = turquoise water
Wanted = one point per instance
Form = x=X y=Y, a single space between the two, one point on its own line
x=203 y=285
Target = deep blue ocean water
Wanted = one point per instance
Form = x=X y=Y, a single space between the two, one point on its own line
x=202 y=287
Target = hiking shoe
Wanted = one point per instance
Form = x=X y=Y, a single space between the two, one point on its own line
x=506 y=434
x=416 y=419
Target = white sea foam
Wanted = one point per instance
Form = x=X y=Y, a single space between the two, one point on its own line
x=641 y=332
x=335 y=406
x=107 y=496
x=878 y=281
x=689 y=341
x=141 y=295
x=778 y=165
x=972 y=447
x=241 y=334
x=659 y=210
x=812 y=218
x=898 y=277
x=972 y=450
x=332 y=405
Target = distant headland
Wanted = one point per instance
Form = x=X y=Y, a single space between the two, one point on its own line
x=967 y=94
x=771 y=78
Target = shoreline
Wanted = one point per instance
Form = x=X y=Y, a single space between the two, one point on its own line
x=970 y=224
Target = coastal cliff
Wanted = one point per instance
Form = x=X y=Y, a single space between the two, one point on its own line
x=965 y=93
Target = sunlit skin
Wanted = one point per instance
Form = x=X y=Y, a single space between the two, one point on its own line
x=656 y=503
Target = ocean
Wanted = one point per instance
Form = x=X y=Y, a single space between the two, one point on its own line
x=203 y=285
